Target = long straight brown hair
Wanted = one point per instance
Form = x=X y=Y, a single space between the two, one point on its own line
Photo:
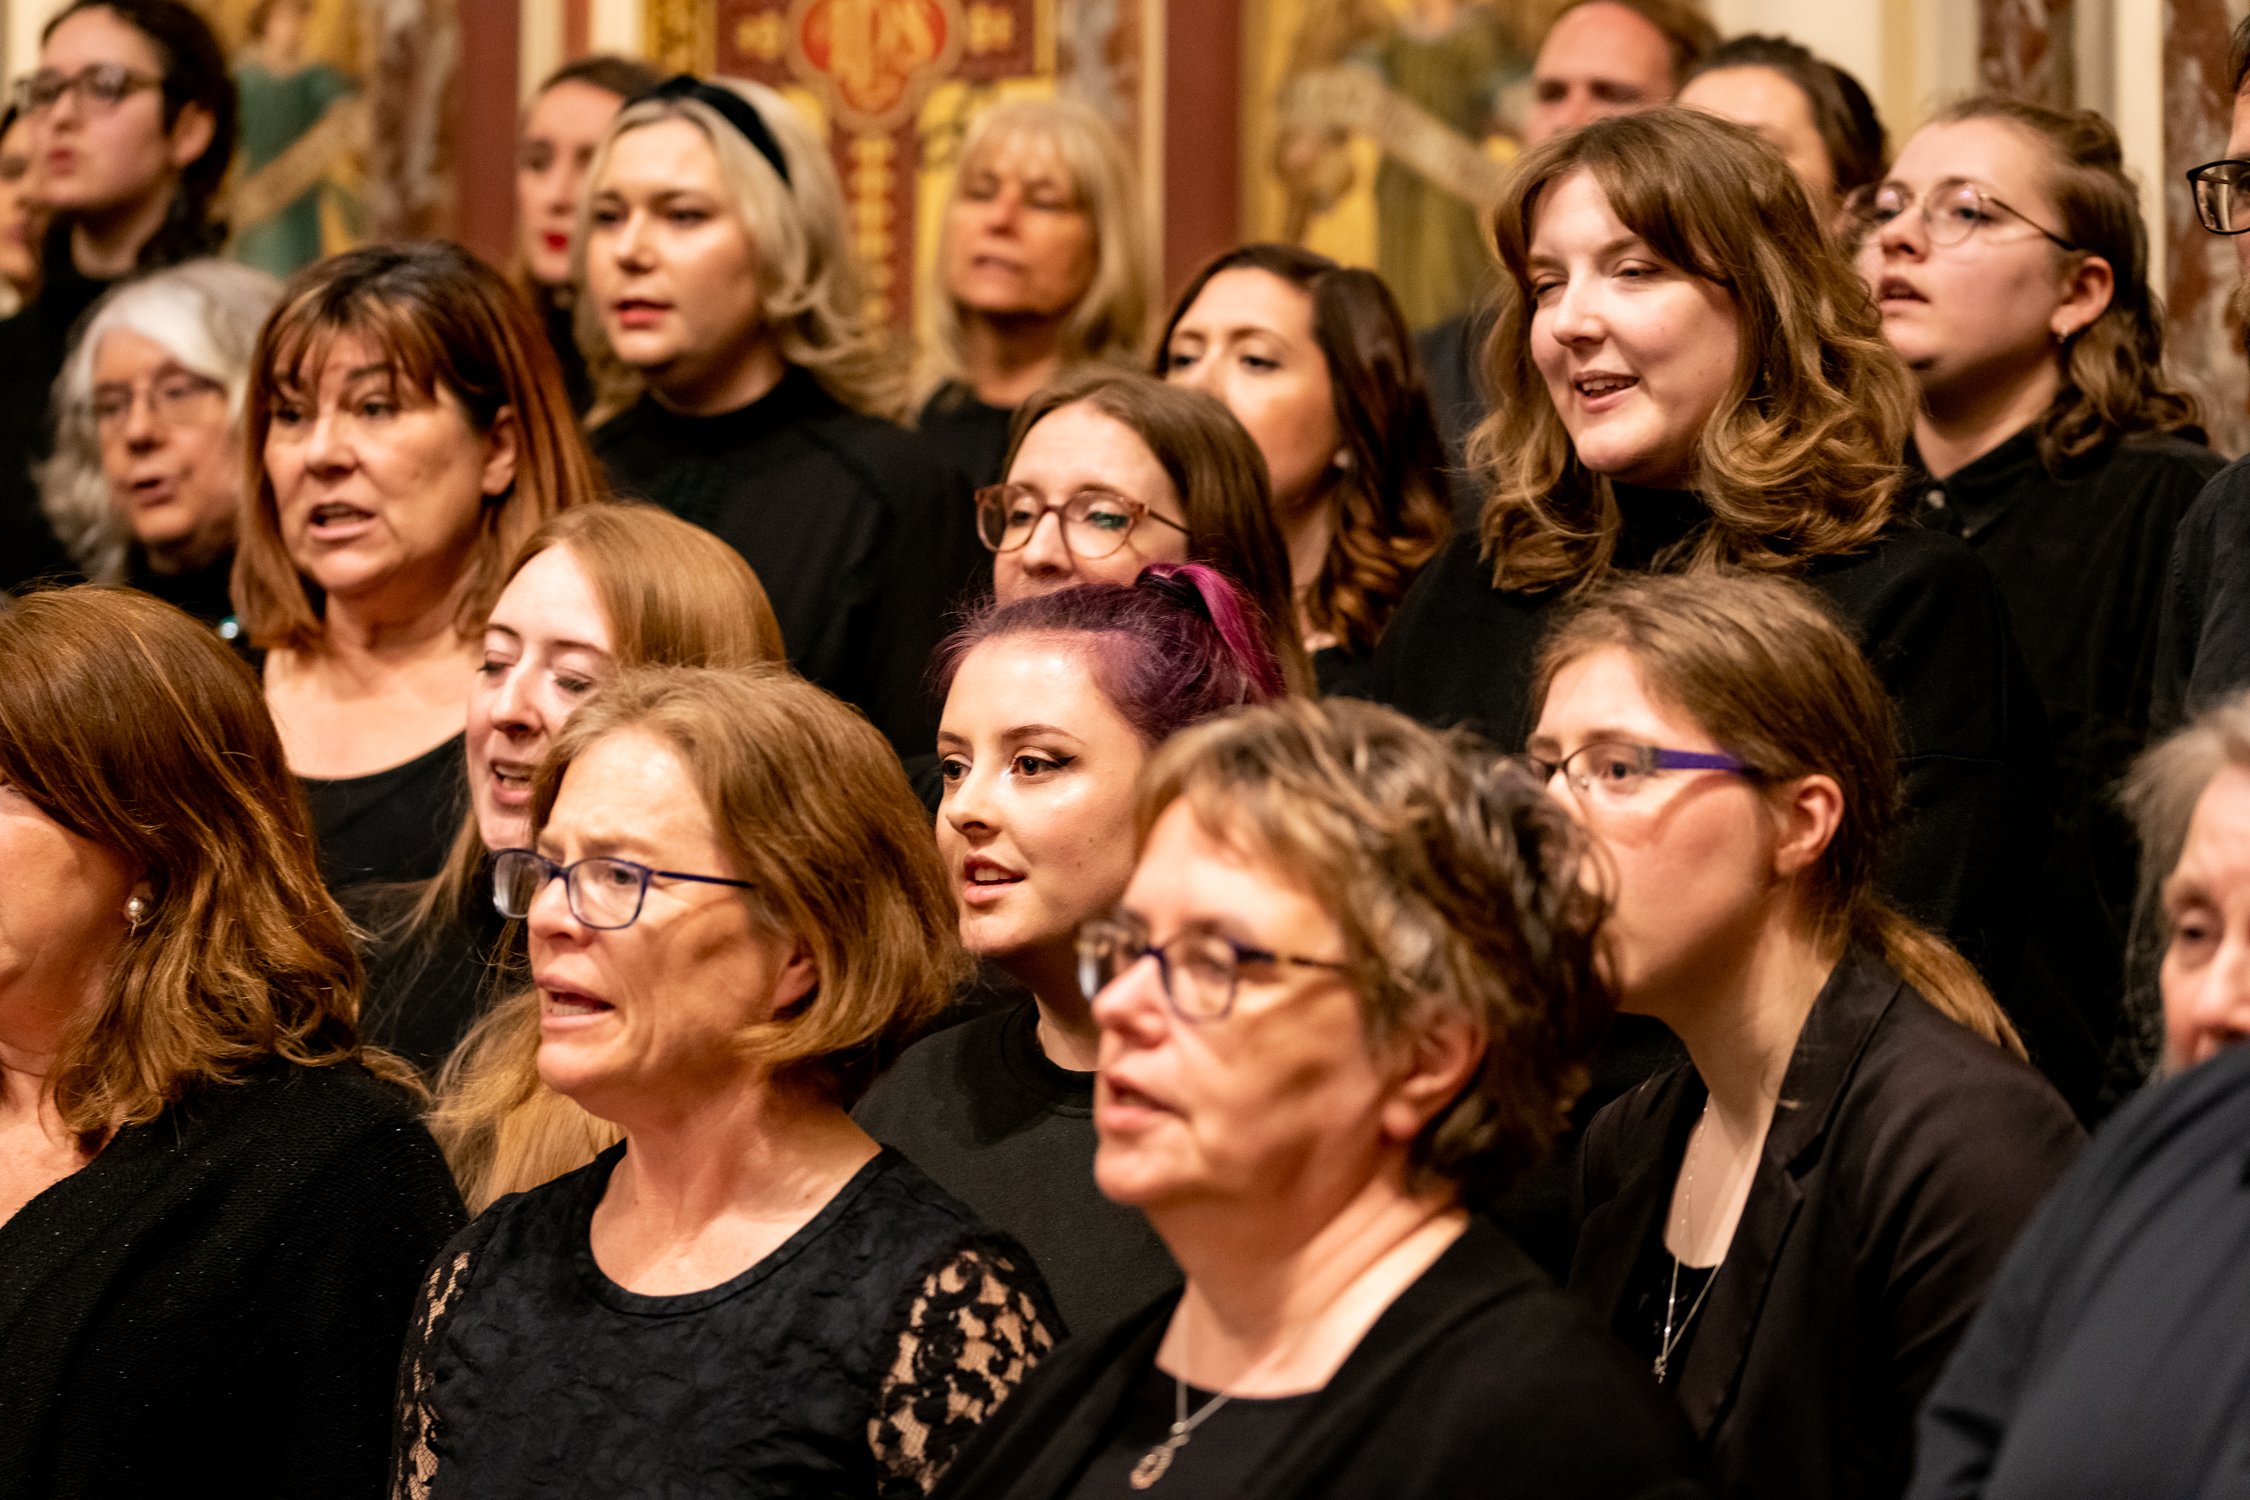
x=132 y=726
x=1770 y=674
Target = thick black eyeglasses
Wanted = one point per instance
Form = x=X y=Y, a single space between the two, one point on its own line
x=1200 y=969
x=103 y=86
x=604 y=893
x=2218 y=195
x=1616 y=770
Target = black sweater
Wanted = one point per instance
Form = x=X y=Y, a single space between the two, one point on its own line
x=1481 y=1380
x=864 y=540
x=2203 y=627
x=215 y=1305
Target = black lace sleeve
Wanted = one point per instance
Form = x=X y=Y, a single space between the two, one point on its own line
x=414 y=1463
x=978 y=1322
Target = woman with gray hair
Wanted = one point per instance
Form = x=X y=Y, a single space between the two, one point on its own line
x=147 y=471
x=716 y=262
x=1044 y=262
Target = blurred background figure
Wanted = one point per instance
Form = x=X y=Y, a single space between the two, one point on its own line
x=146 y=478
x=562 y=128
x=23 y=215
x=1813 y=112
x=1314 y=359
x=299 y=119
x=1044 y=262
x=133 y=124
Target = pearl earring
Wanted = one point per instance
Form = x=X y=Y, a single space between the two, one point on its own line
x=136 y=912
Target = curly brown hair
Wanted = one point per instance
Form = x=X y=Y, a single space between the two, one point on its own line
x=1391 y=513
x=2114 y=383
x=1801 y=458
x=1460 y=888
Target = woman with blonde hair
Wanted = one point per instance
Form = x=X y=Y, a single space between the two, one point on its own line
x=716 y=262
x=1687 y=373
x=1044 y=261
x=597 y=590
x=214 y=1199
x=2007 y=253
x=1794 y=1227
x=736 y=918
x=146 y=478
x=410 y=430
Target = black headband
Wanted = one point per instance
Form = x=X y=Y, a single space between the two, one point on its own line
x=737 y=111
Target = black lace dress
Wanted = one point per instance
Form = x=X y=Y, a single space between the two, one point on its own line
x=852 y=1361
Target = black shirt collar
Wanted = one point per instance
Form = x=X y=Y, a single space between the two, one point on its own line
x=797 y=398
x=1978 y=493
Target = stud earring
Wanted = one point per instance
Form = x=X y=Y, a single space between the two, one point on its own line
x=136 y=912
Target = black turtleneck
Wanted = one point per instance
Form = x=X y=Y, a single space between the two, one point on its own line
x=1975 y=767
x=2081 y=557
x=865 y=540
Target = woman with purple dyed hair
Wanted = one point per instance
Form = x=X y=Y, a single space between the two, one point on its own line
x=1053 y=704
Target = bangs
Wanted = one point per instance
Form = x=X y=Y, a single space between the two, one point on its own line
x=306 y=332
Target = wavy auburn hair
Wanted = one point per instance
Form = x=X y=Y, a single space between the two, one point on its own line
x=131 y=725
x=2114 y=383
x=1801 y=457
x=1769 y=673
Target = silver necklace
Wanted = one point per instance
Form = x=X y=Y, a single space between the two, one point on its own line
x=1158 y=1459
x=1669 y=1340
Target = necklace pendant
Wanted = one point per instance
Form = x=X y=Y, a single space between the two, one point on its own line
x=1662 y=1363
x=1153 y=1463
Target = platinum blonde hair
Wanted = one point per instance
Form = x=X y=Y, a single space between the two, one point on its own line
x=1111 y=320
x=206 y=315
x=810 y=281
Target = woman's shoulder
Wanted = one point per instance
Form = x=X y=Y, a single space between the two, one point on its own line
x=2167 y=459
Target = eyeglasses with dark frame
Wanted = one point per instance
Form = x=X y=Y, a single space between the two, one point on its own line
x=2218 y=189
x=102 y=86
x=1095 y=522
x=1199 y=970
x=1950 y=214
x=605 y=893
x=1616 y=769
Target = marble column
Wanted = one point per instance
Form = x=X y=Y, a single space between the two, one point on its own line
x=2024 y=49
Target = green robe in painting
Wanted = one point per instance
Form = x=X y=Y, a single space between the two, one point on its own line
x=277 y=109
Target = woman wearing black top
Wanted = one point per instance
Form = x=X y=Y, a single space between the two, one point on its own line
x=2007 y=250
x=214 y=1209
x=1315 y=360
x=563 y=126
x=1043 y=262
x=1795 y=1227
x=1052 y=706
x=1687 y=372
x=134 y=115
x=719 y=266
x=411 y=431
x=735 y=916
x=146 y=480
x=1352 y=981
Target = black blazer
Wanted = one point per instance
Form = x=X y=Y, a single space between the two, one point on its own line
x=215 y=1305
x=1480 y=1380
x=1906 y=1156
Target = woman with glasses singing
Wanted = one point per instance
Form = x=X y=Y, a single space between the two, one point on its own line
x=132 y=115
x=717 y=265
x=1351 y=985
x=147 y=473
x=1111 y=471
x=1794 y=1228
x=735 y=918
x=1053 y=704
x=2007 y=253
x=1687 y=374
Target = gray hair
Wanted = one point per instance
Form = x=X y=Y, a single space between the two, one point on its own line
x=2160 y=795
x=206 y=315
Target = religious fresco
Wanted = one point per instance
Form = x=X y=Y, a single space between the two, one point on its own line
x=345 y=123
x=896 y=83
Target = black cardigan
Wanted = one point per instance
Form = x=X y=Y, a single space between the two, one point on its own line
x=1481 y=1379
x=1906 y=1156
x=216 y=1303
